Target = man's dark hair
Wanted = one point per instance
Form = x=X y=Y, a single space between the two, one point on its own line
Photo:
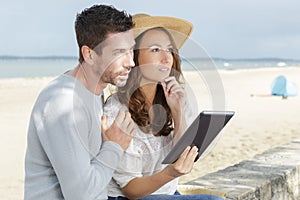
x=93 y=24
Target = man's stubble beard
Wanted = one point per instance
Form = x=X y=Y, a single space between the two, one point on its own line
x=114 y=79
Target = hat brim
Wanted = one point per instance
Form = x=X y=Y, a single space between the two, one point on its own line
x=180 y=29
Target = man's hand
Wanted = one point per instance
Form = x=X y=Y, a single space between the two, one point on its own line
x=121 y=131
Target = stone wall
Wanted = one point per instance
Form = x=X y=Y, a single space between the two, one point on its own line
x=272 y=175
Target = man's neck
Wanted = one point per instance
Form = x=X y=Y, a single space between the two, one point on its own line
x=88 y=79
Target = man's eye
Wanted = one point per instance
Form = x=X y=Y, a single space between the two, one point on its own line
x=116 y=52
x=119 y=51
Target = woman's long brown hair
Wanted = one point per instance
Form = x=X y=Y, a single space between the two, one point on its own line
x=132 y=95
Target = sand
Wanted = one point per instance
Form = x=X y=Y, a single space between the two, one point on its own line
x=261 y=121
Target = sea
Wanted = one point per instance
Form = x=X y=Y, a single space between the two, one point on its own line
x=14 y=67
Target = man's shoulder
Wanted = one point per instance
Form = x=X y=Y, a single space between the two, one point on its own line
x=57 y=93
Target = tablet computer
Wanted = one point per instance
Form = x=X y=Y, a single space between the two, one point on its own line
x=201 y=133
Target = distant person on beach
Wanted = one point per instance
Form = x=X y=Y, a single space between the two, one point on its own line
x=66 y=156
x=156 y=98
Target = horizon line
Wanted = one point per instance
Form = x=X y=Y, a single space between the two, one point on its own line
x=192 y=58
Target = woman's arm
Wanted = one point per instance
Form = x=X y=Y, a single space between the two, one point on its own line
x=180 y=125
x=176 y=99
x=143 y=186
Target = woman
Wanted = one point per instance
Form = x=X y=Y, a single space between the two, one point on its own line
x=156 y=99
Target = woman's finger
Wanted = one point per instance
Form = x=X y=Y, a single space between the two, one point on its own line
x=170 y=81
x=170 y=78
x=183 y=156
x=171 y=85
x=190 y=158
x=164 y=85
x=177 y=89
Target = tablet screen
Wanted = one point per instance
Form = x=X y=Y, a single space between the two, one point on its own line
x=200 y=133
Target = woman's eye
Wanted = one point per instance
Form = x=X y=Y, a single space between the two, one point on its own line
x=155 y=49
x=171 y=50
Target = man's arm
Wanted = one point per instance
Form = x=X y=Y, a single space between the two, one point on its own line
x=64 y=135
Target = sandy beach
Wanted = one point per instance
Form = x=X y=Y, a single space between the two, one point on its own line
x=260 y=122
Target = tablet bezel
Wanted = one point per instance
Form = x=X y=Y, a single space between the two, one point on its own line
x=201 y=133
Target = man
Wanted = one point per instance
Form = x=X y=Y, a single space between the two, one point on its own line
x=66 y=156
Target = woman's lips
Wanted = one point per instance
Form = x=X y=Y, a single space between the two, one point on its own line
x=164 y=69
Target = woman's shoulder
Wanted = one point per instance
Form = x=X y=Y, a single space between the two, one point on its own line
x=112 y=99
x=113 y=102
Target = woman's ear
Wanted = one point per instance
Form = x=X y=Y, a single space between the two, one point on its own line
x=87 y=54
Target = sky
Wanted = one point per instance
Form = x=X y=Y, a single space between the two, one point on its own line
x=229 y=29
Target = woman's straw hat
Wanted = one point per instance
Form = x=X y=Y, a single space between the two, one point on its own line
x=180 y=29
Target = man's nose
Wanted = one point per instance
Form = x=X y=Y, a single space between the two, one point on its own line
x=129 y=63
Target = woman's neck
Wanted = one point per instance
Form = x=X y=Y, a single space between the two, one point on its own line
x=149 y=91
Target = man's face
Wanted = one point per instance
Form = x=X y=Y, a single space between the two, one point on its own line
x=116 y=59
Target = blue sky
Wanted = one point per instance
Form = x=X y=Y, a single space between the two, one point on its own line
x=227 y=29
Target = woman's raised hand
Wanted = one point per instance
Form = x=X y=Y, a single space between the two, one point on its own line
x=174 y=93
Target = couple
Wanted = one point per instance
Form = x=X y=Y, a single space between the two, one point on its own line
x=77 y=150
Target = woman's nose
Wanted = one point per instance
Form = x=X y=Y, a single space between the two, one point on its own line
x=166 y=57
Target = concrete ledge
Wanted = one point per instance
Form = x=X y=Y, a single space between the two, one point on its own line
x=274 y=174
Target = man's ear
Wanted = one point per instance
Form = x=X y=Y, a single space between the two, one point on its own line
x=87 y=54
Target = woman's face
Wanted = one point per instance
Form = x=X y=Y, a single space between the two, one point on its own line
x=155 y=56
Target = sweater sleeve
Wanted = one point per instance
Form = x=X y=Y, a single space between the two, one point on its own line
x=64 y=132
